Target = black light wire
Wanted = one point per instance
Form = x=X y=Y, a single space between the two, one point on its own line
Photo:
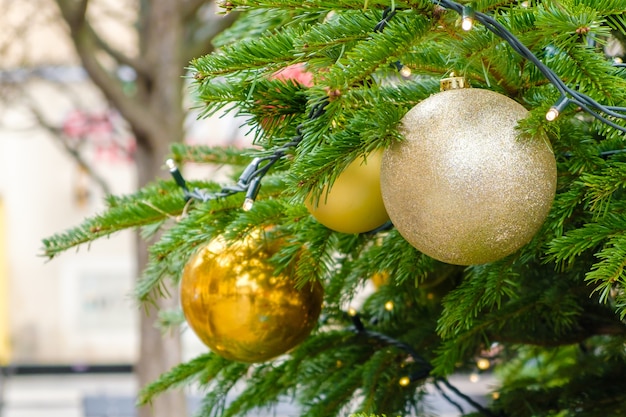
x=250 y=179
x=585 y=102
x=426 y=369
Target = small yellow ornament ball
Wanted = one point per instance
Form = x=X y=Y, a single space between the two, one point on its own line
x=237 y=306
x=463 y=188
x=354 y=203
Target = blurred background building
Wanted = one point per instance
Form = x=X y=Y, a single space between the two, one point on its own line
x=62 y=149
x=75 y=310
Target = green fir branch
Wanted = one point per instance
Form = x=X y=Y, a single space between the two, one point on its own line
x=483 y=289
x=152 y=204
x=203 y=154
x=325 y=5
x=206 y=364
x=590 y=236
x=610 y=272
x=218 y=384
x=272 y=51
x=601 y=186
x=359 y=63
x=266 y=386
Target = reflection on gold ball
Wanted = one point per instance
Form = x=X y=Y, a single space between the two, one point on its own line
x=354 y=203
x=463 y=188
x=237 y=306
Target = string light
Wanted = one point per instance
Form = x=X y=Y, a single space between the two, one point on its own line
x=251 y=193
x=583 y=101
x=483 y=364
x=388 y=13
x=467 y=18
x=556 y=110
x=250 y=179
x=175 y=173
x=389 y=305
x=422 y=373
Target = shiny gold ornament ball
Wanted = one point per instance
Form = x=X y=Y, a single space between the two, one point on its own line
x=237 y=306
x=354 y=203
x=463 y=187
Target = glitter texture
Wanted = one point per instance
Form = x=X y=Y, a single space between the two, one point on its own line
x=463 y=188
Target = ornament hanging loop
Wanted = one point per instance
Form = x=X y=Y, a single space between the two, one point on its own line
x=453 y=83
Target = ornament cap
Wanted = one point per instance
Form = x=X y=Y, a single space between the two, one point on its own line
x=453 y=83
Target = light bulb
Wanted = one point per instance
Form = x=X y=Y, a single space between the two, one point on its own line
x=247 y=204
x=467 y=18
x=251 y=193
x=552 y=114
x=483 y=364
x=352 y=312
x=389 y=305
x=405 y=71
x=404 y=381
x=467 y=23
x=556 y=110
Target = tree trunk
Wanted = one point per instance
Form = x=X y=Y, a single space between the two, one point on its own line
x=162 y=90
x=158 y=352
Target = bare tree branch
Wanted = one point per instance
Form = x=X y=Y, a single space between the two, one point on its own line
x=133 y=110
x=123 y=59
x=199 y=40
x=191 y=7
x=57 y=134
x=74 y=13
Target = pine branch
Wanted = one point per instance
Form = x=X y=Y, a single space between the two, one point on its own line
x=219 y=386
x=243 y=56
x=611 y=269
x=483 y=289
x=201 y=154
x=323 y=5
x=565 y=249
x=153 y=204
x=366 y=57
x=181 y=375
x=602 y=185
x=267 y=385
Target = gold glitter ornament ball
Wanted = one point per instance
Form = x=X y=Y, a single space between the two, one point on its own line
x=463 y=187
x=237 y=306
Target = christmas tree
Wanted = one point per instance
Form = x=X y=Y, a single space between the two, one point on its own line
x=505 y=246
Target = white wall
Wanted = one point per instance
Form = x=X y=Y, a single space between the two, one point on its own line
x=77 y=308
x=74 y=309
